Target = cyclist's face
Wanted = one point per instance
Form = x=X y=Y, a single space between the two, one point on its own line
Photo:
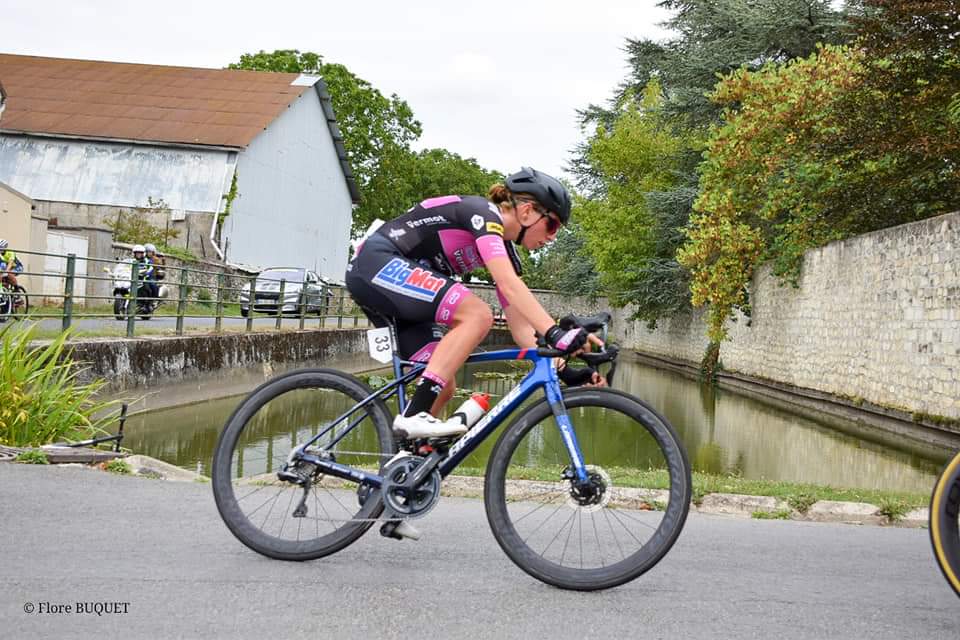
x=544 y=230
x=138 y=254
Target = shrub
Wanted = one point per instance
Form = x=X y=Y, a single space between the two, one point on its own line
x=32 y=456
x=40 y=399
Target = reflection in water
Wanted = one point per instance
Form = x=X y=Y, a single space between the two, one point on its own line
x=723 y=432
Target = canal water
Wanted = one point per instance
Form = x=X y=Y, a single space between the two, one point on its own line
x=724 y=432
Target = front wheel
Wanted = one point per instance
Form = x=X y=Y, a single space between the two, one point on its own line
x=609 y=531
x=287 y=521
x=945 y=522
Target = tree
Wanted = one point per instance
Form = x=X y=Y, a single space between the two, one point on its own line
x=632 y=229
x=640 y=164
x=377 y=130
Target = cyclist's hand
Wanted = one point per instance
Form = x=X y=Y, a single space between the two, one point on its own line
x=569 y=342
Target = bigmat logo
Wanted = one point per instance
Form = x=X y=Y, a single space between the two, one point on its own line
x=417 y=283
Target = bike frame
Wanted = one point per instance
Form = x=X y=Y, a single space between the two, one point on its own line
x=543 y=375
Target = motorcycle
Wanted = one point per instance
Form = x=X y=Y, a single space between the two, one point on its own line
x=122 y=275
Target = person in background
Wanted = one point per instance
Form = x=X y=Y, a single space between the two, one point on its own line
x=158 y=269
x=10 y=266
x=144 y=268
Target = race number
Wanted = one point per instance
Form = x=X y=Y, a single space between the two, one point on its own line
x=381 y=347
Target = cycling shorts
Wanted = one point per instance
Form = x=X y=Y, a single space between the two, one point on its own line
x=422 y=301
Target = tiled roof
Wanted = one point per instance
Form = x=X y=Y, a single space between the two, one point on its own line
x=141 y=102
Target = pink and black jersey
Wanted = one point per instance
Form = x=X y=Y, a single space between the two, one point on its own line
x=455 y=234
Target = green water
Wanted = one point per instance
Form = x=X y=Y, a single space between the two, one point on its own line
x=724 y=432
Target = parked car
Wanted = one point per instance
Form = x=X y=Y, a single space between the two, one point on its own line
x=266 y=296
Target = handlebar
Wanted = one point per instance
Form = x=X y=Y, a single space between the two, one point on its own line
x=593 y=324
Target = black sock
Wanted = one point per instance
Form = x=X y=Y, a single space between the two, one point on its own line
x=425 y=394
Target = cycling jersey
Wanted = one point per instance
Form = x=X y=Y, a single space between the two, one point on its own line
x=456 y=234
x=403 y=271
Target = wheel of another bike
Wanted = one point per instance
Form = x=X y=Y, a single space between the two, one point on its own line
x=945 y=523
x=21 y=302
x=266 y=513
x=609 y=531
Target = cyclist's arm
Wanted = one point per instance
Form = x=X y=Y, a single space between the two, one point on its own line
x=521 y=330
x=519 y=298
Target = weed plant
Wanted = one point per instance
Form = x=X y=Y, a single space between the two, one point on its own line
x=41 y=400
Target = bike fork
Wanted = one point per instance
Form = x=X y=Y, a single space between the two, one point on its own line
x=555 y=398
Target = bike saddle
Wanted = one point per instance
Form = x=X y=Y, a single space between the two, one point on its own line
x=590 y=323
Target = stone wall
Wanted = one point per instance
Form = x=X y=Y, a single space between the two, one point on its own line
x=875 y=318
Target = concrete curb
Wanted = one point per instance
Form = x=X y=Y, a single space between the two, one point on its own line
x=719 y=504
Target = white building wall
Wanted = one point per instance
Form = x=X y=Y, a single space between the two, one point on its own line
x=118 y=174
x=294 y=207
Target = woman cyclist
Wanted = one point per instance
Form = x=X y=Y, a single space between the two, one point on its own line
x=403 y=271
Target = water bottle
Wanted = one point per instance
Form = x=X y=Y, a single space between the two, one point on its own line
x=471 y=410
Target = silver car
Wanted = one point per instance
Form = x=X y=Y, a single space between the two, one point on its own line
x=266 y=296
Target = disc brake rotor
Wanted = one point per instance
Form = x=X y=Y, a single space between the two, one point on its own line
x=596 y=495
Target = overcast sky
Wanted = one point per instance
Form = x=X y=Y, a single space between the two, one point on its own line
x=499 y=80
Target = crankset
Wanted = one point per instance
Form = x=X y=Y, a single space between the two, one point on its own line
x=405 y=501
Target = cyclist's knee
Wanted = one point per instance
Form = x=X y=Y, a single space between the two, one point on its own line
x=475 y=312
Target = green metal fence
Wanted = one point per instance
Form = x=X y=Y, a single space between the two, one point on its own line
x=81 y=294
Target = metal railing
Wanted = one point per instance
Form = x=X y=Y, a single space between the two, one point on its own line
x=81 y=293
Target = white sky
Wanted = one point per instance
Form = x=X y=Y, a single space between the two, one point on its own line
x=499 y=80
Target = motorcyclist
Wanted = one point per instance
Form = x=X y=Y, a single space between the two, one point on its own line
x=144 y=268
x=158 y=272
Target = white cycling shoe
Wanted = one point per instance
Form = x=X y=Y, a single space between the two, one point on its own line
x=424 y=425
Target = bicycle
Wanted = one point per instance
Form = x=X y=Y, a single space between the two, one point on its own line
x=945 y=522
x=346 y=473
x=14 y=302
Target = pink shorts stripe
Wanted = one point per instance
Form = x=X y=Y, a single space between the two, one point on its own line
x=423 y=355
x=430 y=203
x=448 y=306
x=429 y=375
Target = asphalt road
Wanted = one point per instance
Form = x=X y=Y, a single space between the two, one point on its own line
x=75 y=535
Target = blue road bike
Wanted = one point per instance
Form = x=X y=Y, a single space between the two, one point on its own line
x=587 y=488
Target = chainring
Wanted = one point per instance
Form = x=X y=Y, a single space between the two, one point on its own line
x=418 y=502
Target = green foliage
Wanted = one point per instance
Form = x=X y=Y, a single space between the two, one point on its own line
x=204 y=297
x=893 y=509
x=40 y=399
x=816 y=150
x=232 y=195
x=134 y=227
x=118 y=466
x=801 y=501
x=565 y=265
x=631 y=228
x=32 y=456
x=780 y=514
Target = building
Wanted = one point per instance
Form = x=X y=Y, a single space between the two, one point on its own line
x=87 y=140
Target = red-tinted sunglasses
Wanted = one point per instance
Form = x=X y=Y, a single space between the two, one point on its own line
x=553 y=225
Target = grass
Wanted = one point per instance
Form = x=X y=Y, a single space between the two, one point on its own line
x=800 y=497
x=40 y=399
x=33 y=456
x=781 y=514
x=118 y=466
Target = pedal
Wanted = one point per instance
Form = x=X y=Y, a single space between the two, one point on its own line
x=399 y=529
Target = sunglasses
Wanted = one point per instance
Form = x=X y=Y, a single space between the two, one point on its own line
x=553 y=225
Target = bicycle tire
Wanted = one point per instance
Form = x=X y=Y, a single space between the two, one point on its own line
x=242 y=524
x=945 y=523
x=605 y=576
x=23 y=309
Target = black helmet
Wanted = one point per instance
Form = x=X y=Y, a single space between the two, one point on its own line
x=547 y=190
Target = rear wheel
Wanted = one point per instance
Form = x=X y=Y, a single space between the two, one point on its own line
x=119 y=307
x=945 y=522
x=609 y=531
x=280 y=519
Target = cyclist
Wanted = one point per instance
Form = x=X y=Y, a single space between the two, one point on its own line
x=10 y=265
x=403 y=269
